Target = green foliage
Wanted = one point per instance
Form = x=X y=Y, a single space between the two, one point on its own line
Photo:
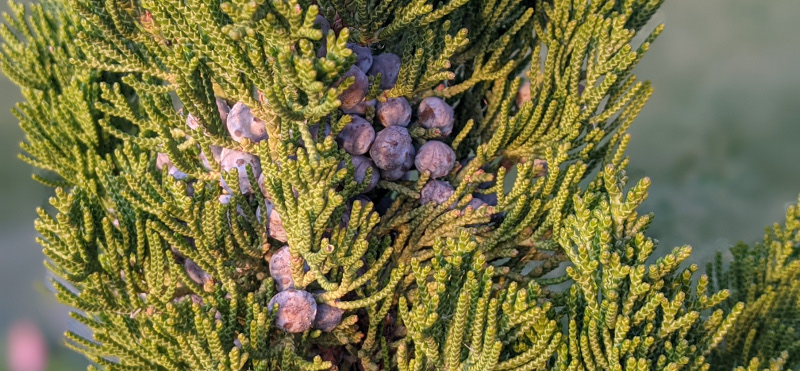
x=766 y=276
x=109 y=84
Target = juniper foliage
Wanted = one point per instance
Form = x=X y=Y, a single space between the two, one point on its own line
x=109 y=84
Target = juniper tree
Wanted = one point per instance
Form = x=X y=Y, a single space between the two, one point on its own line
x=365 y=184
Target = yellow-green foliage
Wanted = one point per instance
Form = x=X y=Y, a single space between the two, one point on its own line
x=107 y=85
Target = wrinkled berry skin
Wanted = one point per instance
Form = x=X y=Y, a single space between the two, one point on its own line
x=524 y=93
x=395 y=111
x=280 y=269
x=232 y=158
x=360 y=108
x=356 y=137
x=241 y=124
x=363 y=56
x=355 y=92
x=435 y=157
x=401 y=171
x=296 y=310
x=436 y=191
x=328 y=317
x=391 y=147
x=388 y=65
x=435 y=113
x=361 y=165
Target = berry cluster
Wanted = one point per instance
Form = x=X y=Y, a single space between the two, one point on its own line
x=379 y=142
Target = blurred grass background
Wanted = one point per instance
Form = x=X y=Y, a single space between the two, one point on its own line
x=719 y=139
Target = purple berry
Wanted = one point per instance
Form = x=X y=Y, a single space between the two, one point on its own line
x=489 y=199
x=388 y=65
x=324 y=26
x=436 y=191
x=296 y=310
x=435 y=113
x=360 y=108
x=280 y=269
x=361 y=165
x=224 y=110
x=395 y=111
x=355 y=92
x=363 y=56
x=231 y=159
x=196 y=273
x=357 y=136
x=541 y=165
x=476 y=203
x=391 y=147
x=162 y=160
x=524 y=93
x=328 y=317
x=242 y=124
x=435 y=157
x=401 y=171
x=192 y=122
x=274 y=223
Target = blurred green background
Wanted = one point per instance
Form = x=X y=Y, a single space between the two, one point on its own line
x=718 y=139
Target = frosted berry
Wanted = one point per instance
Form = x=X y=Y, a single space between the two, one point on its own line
x=241 y=124
x=391 y=147
x=280 y=269
x=360 y=108
x=395 y=111
x=363 y=56
x=231 y=159
x=541 y=165
x=196 y=273
x=436 y=191
x=401 y=171
x=296 y=310
x=355 y=92
x=524 y=93
x=361 y=165
x=328 y=317
x=356 y=137
x=162 y=161
x=388 y=65
x=224 y=110
x=435 y=157
x=274 y=223
x=435 y=113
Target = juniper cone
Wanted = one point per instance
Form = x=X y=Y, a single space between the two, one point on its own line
x=355 y=92
x=435 y=157
x=395 y=111
x=363 y=165
x=280 y=269
x=360 y=108
x=233 y=159
x=388 y=66
x=391 y=148
x=436 y=191
x=241 y=124
x=327 y=318
x=295 y=312
x=357 y=136
x=563 y=274
x=524 y=93
x=435 y=113
x=363 y=56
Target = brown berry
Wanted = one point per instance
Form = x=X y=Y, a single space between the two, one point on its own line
x=435 y=113
x=355 y=92
x=524 y=93
x=395 y=111
x=296 y=310
x=360 y=108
